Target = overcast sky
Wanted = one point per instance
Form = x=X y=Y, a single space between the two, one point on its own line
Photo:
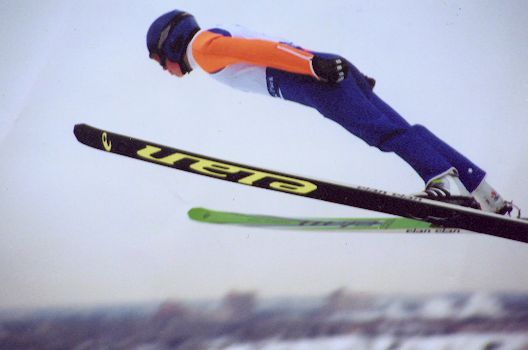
x=81 y=227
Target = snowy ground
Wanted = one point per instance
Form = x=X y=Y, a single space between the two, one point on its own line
x=353 y=342
x=80 y=226
x=242 y=321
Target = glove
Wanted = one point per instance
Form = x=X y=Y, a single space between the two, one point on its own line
x=330 y=70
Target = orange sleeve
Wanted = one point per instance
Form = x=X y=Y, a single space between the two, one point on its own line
x=214 y=51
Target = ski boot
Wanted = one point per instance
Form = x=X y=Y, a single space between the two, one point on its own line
x=448 y=188
x=490 y=200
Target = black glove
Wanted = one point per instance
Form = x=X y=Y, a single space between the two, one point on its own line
x=330 y=70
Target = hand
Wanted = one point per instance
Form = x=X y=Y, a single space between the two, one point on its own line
x=330 y=70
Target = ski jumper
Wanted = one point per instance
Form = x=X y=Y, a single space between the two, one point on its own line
x=255 y=63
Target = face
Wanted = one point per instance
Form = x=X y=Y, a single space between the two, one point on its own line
x=172 y=67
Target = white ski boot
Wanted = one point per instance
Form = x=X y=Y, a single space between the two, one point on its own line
x=448 y=188
x=490 y=200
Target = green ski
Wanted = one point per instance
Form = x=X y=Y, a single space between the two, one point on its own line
x=326 y=224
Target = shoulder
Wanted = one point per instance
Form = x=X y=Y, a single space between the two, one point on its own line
x=205 y=37
x=220 y=31
x=238 y=31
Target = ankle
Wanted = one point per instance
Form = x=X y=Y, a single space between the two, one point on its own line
x=488 y=198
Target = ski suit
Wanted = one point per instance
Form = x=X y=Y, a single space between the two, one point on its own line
x=256 y=63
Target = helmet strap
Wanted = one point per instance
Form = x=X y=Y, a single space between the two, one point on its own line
x=184 y=66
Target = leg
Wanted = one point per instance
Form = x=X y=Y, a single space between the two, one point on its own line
x=353 y=105
x=470 y=174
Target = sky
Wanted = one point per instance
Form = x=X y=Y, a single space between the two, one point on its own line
x=80 y=227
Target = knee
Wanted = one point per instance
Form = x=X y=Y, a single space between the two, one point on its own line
x=393 y=140
x=418 y=128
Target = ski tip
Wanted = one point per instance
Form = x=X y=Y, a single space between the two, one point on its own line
x=198 y=214
x=78 y=130
x=92 y=137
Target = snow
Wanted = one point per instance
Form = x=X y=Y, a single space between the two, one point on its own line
x=456 y=342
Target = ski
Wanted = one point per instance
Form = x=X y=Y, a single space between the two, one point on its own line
x=317 y=224
x=435 y=212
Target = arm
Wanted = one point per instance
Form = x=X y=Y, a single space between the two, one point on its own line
x=214 y=51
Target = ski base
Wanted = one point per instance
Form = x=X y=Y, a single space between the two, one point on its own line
x=317 y=224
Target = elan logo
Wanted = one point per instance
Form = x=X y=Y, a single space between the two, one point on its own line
x=107 y=144
x=246 y=176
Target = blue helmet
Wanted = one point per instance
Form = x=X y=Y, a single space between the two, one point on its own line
x=169 y=36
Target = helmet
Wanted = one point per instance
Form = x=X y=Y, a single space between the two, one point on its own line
x=169 y=36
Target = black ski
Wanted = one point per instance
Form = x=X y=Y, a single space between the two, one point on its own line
x=438 y=213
